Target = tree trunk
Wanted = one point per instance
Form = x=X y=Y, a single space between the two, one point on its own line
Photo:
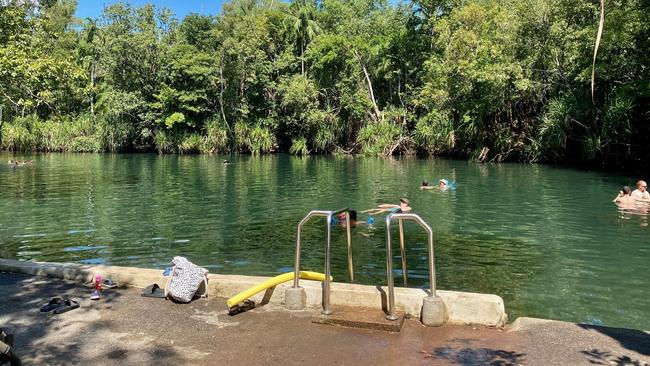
x=92 y=86
x=1 y=123
x=223 y=113
x=302 y=57
x=378 y=114
x=399 y=90
x=601 y=24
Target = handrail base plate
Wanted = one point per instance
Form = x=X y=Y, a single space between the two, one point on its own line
x=362 y=318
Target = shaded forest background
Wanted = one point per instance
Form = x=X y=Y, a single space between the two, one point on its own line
x=490 y=80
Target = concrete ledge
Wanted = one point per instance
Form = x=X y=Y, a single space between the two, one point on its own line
x=523 y=323
x=462 y=307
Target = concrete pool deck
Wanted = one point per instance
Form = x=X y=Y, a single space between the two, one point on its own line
x=125 y=328
x=463 y=308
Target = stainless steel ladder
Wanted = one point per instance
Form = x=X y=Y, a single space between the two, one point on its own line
x=433 y=301
x=329 y=215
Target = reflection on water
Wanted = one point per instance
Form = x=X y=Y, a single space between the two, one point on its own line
x=638 y=213
x=548 y=240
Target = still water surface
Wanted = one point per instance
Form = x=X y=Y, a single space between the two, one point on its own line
x=548 y=240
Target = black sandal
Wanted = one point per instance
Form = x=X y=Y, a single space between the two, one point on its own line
x=66 y=306
x=53 y=304
x=154 y=291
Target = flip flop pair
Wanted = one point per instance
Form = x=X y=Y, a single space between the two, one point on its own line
x=59 y=305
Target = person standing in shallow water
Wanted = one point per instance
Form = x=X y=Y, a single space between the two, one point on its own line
x=625 y=199
x=641 y=192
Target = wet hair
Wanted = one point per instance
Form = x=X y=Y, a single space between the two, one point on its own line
x=425 y=183
x=626 y=190
x=353 y=215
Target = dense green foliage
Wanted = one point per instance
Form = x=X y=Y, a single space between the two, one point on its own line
x=484 y=79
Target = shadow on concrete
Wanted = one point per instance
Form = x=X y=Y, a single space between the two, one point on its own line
x=249 y=304
x=634 y=340
x=598 y=357
x=267 y=296
x=23 y=297
x=162 y=355
x=476 y=356
x=48 y=337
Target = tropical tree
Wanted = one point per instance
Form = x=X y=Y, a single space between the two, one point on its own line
x=490 y=80
x=302 y=26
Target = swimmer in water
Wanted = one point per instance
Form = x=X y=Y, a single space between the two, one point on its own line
x=641 y=193
x=353 y=219
x=443 y=185
x=15 y=163
x=404 y=205
x=425 y=185
x=624 y=199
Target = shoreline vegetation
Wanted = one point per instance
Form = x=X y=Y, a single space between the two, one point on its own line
x=483 y=80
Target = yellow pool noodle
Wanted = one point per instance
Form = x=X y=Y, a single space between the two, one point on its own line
x=272 y=282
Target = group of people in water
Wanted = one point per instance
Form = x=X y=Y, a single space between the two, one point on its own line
x=17 y=163
x=626 y=199
x=403 y=206
x=632 y=199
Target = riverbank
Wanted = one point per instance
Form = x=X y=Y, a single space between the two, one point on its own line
x=125 y=328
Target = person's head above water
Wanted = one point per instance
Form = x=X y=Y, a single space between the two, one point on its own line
x=404 y=202
x=642 y=186
x=353 y=215
x=443 y=183
x=626 y=190
x=425 y=183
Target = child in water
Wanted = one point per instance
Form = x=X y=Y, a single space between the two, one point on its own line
x=624 y=199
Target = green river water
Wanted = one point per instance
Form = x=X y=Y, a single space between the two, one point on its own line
x=546 y=239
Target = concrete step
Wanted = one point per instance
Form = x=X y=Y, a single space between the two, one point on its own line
x=363 y=318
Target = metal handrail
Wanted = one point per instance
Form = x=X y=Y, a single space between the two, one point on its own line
x=389 y=258
x=326 y=287
x=402 y=248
